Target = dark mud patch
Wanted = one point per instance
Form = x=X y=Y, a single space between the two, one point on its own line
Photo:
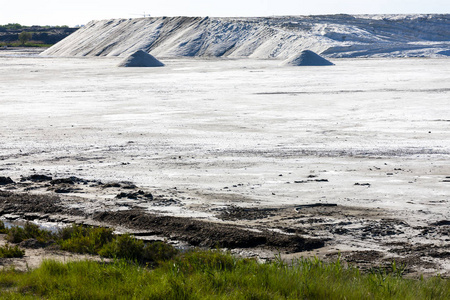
x=37 y=178
x=30 y=207
x=361 y=256
x=421 y=250
x=208 y=234
x=135 y=195
x=415 y=255
x=233 y=213
x=147 y=197
x=64 y=190
x=441 y=223
x=21 y=203
x=69 y=181
x=123 y=185
x=385 y=227
x=313 y=205
x=437 y=229
x=6 y=180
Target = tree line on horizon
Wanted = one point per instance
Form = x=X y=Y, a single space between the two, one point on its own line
x=15 y=34
x=17 y=26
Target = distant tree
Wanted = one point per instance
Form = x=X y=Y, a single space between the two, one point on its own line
x=24 y=37
x=13 y=26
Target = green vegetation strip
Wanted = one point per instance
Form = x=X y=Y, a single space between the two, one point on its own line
x=196 y=274
x=213 y=275
x=92 y=240
x=17 y=44
x=17 y=26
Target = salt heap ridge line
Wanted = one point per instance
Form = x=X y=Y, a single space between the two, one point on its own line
x=274 y=37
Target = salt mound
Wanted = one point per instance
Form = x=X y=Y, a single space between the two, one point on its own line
x=141 y=59
x=307 y=58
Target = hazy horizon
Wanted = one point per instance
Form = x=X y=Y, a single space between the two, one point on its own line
x=55 y=13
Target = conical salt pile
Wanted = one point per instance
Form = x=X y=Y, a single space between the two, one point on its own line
x=141 y=59
x=307 y=58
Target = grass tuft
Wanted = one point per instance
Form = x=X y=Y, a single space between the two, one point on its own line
x=9 y=251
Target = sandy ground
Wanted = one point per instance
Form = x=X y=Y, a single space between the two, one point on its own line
x=215 y=136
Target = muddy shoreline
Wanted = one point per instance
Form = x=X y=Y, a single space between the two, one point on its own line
x=367 y=237
x=51 y=207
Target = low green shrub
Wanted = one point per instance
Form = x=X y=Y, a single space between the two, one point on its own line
x=9 y=251
x=17 y=234
x=127 y=247
x=80 y=239
x=3 y=228
x=94 y=240
x=124 y=246
x=158 y=251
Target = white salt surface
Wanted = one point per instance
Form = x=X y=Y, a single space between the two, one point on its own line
x=249 y=125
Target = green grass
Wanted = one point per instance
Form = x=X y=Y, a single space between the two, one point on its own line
x=158 y=271
x=213 y=275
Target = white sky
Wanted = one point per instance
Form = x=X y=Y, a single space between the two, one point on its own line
x=53 y=12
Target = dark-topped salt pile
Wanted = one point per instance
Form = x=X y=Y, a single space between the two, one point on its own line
x=141 y=59
x=307 y=58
